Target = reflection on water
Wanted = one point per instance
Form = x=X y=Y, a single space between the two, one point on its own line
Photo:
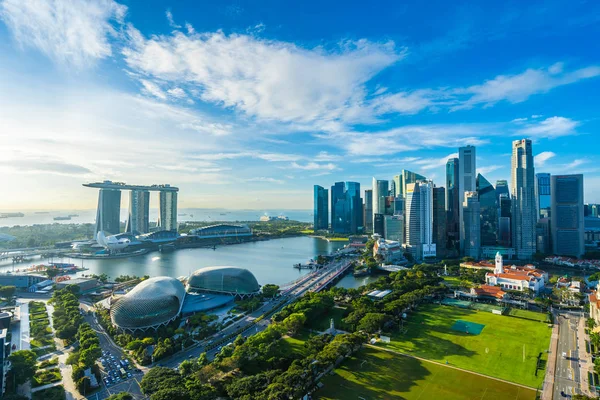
x=270 y=261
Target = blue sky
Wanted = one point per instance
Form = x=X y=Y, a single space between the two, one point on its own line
x=248 y=104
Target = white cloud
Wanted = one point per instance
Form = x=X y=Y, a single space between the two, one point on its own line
x=153 y=89
x=172 y=23
x=574 y=164
x=71 y=32
x=433 y=163
x=265 y=179
x=311 y=166
x=518 y=88
x=325 y=156
x=177 y=92
x=550 y=128
x=489 y=168
x=268 y=79
x=540 y=159
x=519 y=120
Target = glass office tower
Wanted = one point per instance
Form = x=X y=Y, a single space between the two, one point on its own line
x=488 y=205
x=321 y=208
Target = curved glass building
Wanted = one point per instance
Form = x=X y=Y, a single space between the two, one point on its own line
x=152 y=303
x=227 y=280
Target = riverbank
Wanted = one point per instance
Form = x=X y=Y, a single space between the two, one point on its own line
x=331 y=239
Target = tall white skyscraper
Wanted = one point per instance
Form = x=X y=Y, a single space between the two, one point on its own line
x=167 y=212
x=419 y=220
x=467 y=182
x=139 y=212
x=524 y=215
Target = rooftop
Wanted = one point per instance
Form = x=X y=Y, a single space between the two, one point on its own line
x=124 y=186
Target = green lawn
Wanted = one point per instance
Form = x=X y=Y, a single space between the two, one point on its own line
x=534 y=316
x=452 y=280
x=377 y=374
x=53 y=393
x=507 y=348
x=294 y=346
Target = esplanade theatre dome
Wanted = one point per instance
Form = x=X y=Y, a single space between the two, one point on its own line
x=226 y=280
x=152 y=303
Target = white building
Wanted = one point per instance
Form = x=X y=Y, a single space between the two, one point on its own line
x=389 y=250
x=516 y=278
x=419 y=220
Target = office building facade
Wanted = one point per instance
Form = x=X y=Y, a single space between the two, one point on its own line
x=567 y=215
x=502 y=188
x=440 y=237
x=346 y=208
x=453 y=204
x=368 y=214
x=467 y=176
x=379 y=224
x=524 y=214
x=393 y=227
x=167 y=211
x=139 y=212
x=405 y=178
x=380 y=191
x=505 y=220
x=419 y=220
x=321 y=208
x=488 y=204
x=472 y=225
x=108 y=212
x=543 y=197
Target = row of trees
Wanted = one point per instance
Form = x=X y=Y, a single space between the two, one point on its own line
x=45 y=234
x=85 y=357
x=66 y=315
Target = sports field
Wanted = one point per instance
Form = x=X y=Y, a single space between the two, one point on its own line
x=506 y=348
x=377 y=374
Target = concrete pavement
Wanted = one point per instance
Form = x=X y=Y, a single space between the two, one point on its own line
x=567 y=380
x=548 y=386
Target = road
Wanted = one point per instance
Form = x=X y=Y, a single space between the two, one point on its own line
x=314 y=281
x=567 y=378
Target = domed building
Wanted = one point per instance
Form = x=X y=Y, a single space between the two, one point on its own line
x=152 y=303
x=224 y=280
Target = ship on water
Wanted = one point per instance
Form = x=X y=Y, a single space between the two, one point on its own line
x=62 y=218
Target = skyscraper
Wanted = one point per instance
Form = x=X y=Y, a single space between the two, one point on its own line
x=542 y=195
x=393 y=226
x=488 y=203
x=419 y=220
x=109 y=212
x=467 y=174
x=346 y=208
x=567 y=223
x=504 y=221
x=321 y=208
x=524 y=215
x=440 y=238
x=405 y=178
x=380 y=191
x=368 y=215
x=472 y=225
x=139 y=212
x=379 y=224
x=453 y=205
x=167 y=212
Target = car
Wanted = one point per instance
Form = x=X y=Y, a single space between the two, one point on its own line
x=129 y=375
x=191 y=356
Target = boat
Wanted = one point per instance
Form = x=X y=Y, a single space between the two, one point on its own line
x=12 y=215
x=166 y=248
x=62 y=218
x=73 y=215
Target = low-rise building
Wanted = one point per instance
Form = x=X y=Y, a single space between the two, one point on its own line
x=478 y=265
x=389 y=250
x=594 y=299
x=487 y=291
x=84 y=284
x=516 y=277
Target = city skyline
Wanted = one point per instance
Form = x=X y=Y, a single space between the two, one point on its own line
x=249 y=129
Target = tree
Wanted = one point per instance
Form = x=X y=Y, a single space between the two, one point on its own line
x=84 y=385
x=294 y=323
x=88 y=357
x=159 y=378
x=270 y=290
x=52 y=272
x=24 y=365
x=172 y=393
x=7 y=291
x=372 y=322
x=591 y=323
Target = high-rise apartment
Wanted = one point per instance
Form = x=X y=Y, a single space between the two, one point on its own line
x=567 y=223
x=321 y=208
x=419 y=220
x=542 y=195
x=440 y=238
x=453 y=204
x=368 y=214
x=139 y=212
x=467 y=176
x=524 y=215
x=488 y=203
x=167 y=211
x=472 y=225
x=109 y=212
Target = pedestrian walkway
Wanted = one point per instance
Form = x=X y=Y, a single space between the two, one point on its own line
x=548 y=387
x=25 y=339
x=585 y=359
x=37 y=389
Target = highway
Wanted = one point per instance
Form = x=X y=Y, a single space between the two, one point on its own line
x=313 y=282
x=567 y=378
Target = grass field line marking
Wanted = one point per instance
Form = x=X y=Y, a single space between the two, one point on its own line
x=450 y=366
x=485 y=391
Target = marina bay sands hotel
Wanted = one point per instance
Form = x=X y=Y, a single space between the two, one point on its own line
x=109 y=207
